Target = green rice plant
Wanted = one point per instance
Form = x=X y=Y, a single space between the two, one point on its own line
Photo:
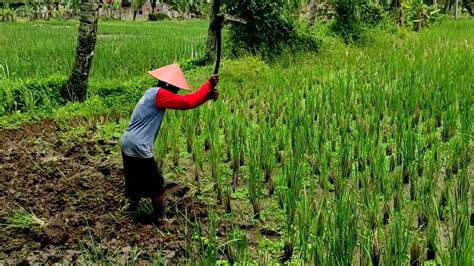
x=161 y=146
x=188 y=236
x=22 y=219
x=370 y=247
x=291 y=187
x=237 y=143
x=255 y=174
x=207 y=246
x=398 y=241
x=466 y=119
x=27 y=98
x=304 y=217
x=314 y=154
x=450 y=121
x=227 y=198
x=158 y=260
x=175 y=131
x=189 y=126
x=214 y=159
x=325 y=172
x=427 y=189
x=197 y=161
x=460 y=239
x=343 y=229
x=6 y=91
x=267 y=160
x=237 y=248
x=433 y=250
x=408 y=153
x=93 y=254
x=317 y=244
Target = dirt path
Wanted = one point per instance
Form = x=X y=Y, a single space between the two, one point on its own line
x=75 y=186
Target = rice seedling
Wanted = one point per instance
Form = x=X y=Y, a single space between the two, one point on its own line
x=197 y=161
x=22 y=219
x=92 y=253
x=236 y=249
x=237 y=143
x=255 y=175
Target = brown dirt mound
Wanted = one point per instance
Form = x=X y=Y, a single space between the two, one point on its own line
x=75 y=186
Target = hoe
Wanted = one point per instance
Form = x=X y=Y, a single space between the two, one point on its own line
x=218 y=25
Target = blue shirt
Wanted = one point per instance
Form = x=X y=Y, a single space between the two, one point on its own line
x=139 y=138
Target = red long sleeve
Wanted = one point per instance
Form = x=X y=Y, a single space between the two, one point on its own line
x=167 y=100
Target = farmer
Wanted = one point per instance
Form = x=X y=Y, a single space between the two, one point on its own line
x=143 y=179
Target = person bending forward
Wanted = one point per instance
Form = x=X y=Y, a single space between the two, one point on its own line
x=143 y=179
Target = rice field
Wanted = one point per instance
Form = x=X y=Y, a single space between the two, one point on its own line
x=124 y=50
x=353 y=155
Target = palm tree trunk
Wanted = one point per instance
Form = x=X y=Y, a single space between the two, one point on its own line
x=76 y=88
x=212 y=32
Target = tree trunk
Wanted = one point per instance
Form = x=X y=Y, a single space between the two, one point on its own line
x=134 y=14
x=153 y=6
x=76 y=88
x=212 y=32
x=451 y=3
x=419 y=24
x=313 y=13
x=397 y=6
x=456 y=7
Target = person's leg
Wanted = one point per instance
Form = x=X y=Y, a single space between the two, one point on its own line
x=130 y=168
x=158 y=210
x=158 y=197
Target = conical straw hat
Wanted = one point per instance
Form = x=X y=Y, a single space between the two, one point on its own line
x=171 y=74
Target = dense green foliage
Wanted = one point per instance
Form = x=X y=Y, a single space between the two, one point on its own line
x=270 y=28
x=349 y=23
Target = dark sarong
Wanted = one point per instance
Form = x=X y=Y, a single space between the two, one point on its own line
x=143 y=179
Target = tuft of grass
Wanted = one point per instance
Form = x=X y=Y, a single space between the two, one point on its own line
x=22 y=219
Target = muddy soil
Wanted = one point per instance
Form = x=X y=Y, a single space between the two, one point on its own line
x=75 y=186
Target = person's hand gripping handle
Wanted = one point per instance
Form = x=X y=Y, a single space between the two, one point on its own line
x=214 y=94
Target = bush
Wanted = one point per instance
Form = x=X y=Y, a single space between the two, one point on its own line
x=269 y=29
x=158 y=16
x=354 y=19
x=348 y=22
x=372 y=14
x=419 y=15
